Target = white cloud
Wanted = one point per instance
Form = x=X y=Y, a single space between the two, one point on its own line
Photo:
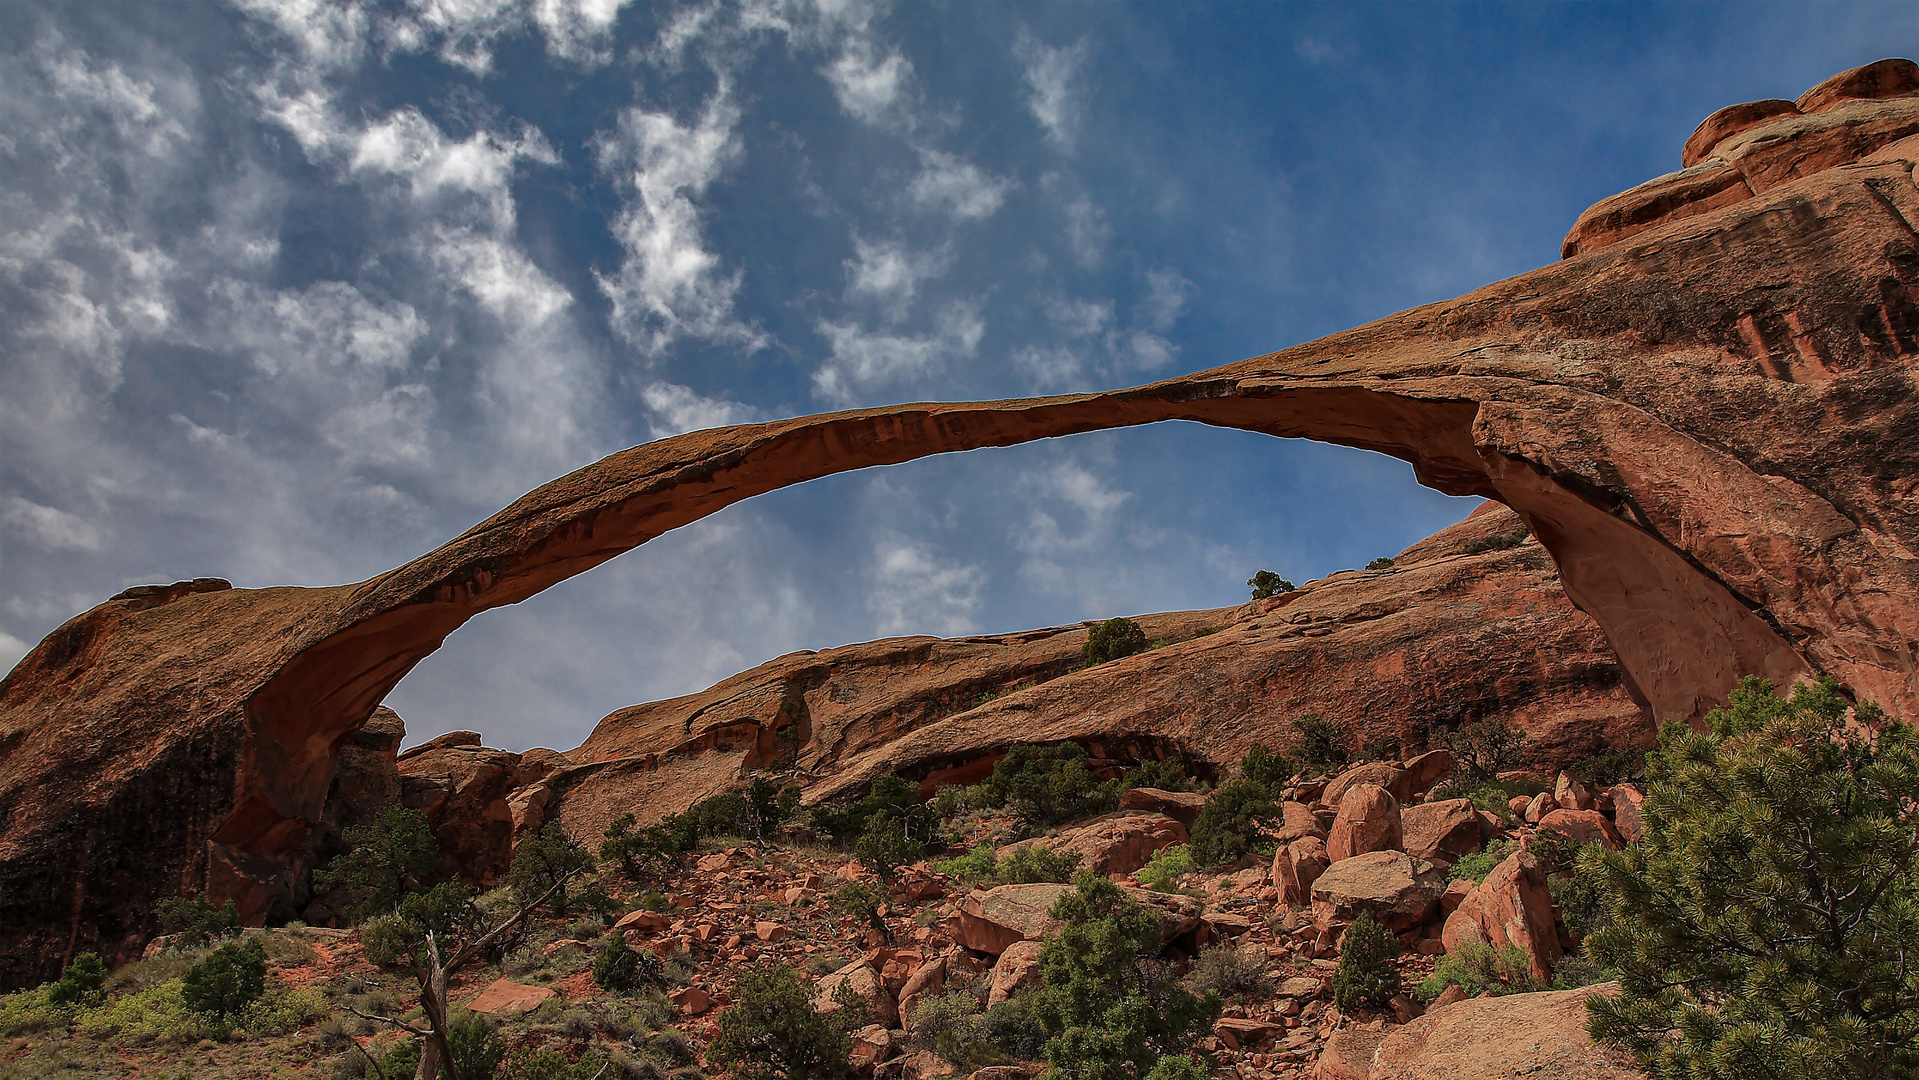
x=956 y=186
x=1081 y=318
x=1086 y=230
x=890 y=271
x=48 y=528
x=871 y=88
x=669 y=286
x=861 y=361
x=1166 y=298
x=1051 y=75
x=913 y=591
x=679 y=409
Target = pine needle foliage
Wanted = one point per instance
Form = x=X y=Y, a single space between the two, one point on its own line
x=1768 y=924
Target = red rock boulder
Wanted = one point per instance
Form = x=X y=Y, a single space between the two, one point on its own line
x=1538 y=1036
x=1583 y=827
x=1512 y=906
x=1400 y=891
x=1442 y=830
x=1114 y=844
x=1296 y=866
x=1381 y=773
x=1369 y=820
x=1571 y=793
x=1628 y=812
x=1181 y=806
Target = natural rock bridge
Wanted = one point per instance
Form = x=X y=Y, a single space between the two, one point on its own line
x=1705 y=414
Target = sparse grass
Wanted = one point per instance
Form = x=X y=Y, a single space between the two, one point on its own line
x=1229 y=969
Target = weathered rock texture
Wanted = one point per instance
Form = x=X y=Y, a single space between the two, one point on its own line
x=1707 y=423
x=1541 y=1036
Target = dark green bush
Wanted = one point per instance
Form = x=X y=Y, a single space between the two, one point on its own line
x=1485 y=747
x=914 y=820
x=402 y=1060
x=194 y=922
x=1476 y=866
x=1226 y=968
x=1381 y=563
x=1048 y=785
x=1167 y=775
x=543 y=860
x=977 y=865
x=1265 y=583
x=383 y=862
x=1614 y=765
x=545 y=1064
x=1111 y=1006
x=773 y=1032
x=1014 y=1028
x=1112 y=640
x=477 y=1051
x=1232 y=820
x=1262 y=766
x=1499 y=541
x=953 y=1026
x=619 y=969
x=1764 y=926
x=645 y=854
x=1032 y=864
x=232 y=977
x=1366 y=975
x=80 y=982
x=1323 y=744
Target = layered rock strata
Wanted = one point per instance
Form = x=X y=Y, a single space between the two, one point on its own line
x=1707 y=423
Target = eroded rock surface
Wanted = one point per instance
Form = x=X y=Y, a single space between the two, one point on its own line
x=1704 y=416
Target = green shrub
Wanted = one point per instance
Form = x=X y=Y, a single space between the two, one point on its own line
x=447 y=909
x=283 y=1010
x=1167 y=775
x=79 y=983
x=1112 y=640
x=1231 y=820
x=193 y=922
x=952 y=1026
x=24 y=1012
x=157 y=1014
x=477 y=1052
x=1179 y=1067
x=619 y=969
x=1048 y=785
x=1763 y=927
x=1323 y=744
x=396 y=1062
x=773 y=1031
x=227 y=981
x=1227 y=969
x=1614 y=765
x=1032 y=864
x=545 y=1064
x=1578 y=968
x=1262 y=766
x=1485 y=747
x=1014 y=1027
x=1163 y=871
x=1493 y=796
x=1366 y=975
x=543 y=860
x=383 y=861
x=889 y=841
x=913 y=820
x=1265 y=584
x=979 y=864
x=1111 y=1006
x=1499 y=541
x=1481 y=969
x=1476 y=866
x=1381 y=563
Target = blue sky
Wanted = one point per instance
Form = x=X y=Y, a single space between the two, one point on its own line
x=292 y=292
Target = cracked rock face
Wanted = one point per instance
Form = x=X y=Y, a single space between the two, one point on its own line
x=1707 y=423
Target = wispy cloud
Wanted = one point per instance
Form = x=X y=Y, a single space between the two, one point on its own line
x=862 y=361
x=1052 y=78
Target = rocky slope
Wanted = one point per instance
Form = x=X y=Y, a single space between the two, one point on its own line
x=1458 y=629
x=1706 y=422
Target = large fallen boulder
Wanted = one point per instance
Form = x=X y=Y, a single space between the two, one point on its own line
x=1538 y=1036
x=1583 y=827
x=1297 y=822
x=1445 y=829
x=1398 y=889
x=1513 y=906
x=1296 y=866
x=1368 y=820
x=1383 y=774
x=1181 y=806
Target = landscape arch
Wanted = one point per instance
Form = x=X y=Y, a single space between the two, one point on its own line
x=1714 y=513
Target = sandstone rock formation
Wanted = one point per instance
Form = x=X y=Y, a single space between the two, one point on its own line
x=1399 y=890
x=1678 y=410
x=1368 y=820
x=1444 y=830
x=1114 y=843
x=1541 y=1036
x=1513 y=906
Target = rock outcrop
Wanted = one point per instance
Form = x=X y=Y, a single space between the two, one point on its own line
x=1542 y=1036
x=1679 y=411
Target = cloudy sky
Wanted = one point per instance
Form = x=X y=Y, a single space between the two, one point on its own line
x=292 y=292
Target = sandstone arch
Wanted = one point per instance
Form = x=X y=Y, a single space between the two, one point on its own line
x=1710 y=427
